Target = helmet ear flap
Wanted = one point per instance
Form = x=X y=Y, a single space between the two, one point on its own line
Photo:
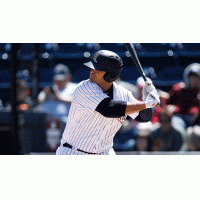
x=111 y=77
x=107 y=77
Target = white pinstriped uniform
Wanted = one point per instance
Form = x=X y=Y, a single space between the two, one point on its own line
x=86 y=128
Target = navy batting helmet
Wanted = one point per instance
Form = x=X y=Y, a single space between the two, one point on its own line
x=107 y=61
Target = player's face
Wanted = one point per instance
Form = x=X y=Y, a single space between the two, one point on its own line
x=96 y=76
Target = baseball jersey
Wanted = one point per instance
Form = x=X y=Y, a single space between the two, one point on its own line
x=86 y=128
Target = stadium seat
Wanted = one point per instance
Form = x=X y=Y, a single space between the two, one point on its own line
x=155 y=47
x=86 y=47
x=4 y=76
x=176 y=47
x=166 y=73
x=4 y=51
x=192 y=47
x=67 y=50
x=45 y=47
x=116 y=47
x=26 y=48
x=3 y=48
x=70 y=48
x=121 y=46
x=46 y=75
x=26 y=51
x=74 y=50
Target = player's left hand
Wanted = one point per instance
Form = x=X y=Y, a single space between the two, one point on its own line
x=152 y=100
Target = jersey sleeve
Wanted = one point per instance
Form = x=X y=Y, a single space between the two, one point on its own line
x=88 y=95
x=131 y=98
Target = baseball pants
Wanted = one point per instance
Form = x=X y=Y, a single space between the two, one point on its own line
x=68 y=151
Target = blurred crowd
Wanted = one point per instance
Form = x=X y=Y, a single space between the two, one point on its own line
x=175 y=124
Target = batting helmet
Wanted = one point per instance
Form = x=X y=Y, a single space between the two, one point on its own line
x=107 y=61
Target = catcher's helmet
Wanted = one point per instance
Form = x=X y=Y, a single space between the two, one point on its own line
x=107 y=61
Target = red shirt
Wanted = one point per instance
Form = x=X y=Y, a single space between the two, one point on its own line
x=184 y=99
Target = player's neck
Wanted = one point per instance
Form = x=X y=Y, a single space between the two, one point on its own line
x=105 y=86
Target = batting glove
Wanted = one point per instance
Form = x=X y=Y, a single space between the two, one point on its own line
x=152 y=100
x=144 y=91
x=148 y=88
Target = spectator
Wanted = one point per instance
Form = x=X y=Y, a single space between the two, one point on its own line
x=56 y=101
x=23 y=74
x=184 y=95
x=24 y=100
x=193 y=138
x=143 y=140
x=164 y=96
x=62 y=89
x=128 y=86
x=166 y=137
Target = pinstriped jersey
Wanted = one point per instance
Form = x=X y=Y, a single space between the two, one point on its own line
x=86 y=128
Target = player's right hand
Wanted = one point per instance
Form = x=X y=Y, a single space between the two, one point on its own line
x=148 y=88
x=144 y=90
x=152 y=100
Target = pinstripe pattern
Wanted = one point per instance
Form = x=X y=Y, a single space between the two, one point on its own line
x=87 y=129
x=67 y=151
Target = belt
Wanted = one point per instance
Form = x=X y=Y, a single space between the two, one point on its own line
x=70 y=146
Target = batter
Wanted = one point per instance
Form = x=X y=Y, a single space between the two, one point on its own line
x=100 y=106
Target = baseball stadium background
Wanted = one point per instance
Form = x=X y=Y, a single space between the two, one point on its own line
x=29 y=132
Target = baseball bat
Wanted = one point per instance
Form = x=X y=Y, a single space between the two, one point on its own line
x=133 y=53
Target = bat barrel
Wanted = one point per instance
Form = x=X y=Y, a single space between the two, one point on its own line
x=133 y=53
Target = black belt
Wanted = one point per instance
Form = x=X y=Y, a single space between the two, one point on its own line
x=70 y=146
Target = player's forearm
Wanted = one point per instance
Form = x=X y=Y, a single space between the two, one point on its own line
x=132 y=107
x=114 y=109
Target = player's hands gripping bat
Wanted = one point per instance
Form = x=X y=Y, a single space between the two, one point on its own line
x=149 y=87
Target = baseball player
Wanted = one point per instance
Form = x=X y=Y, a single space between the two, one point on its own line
x=100 y=106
